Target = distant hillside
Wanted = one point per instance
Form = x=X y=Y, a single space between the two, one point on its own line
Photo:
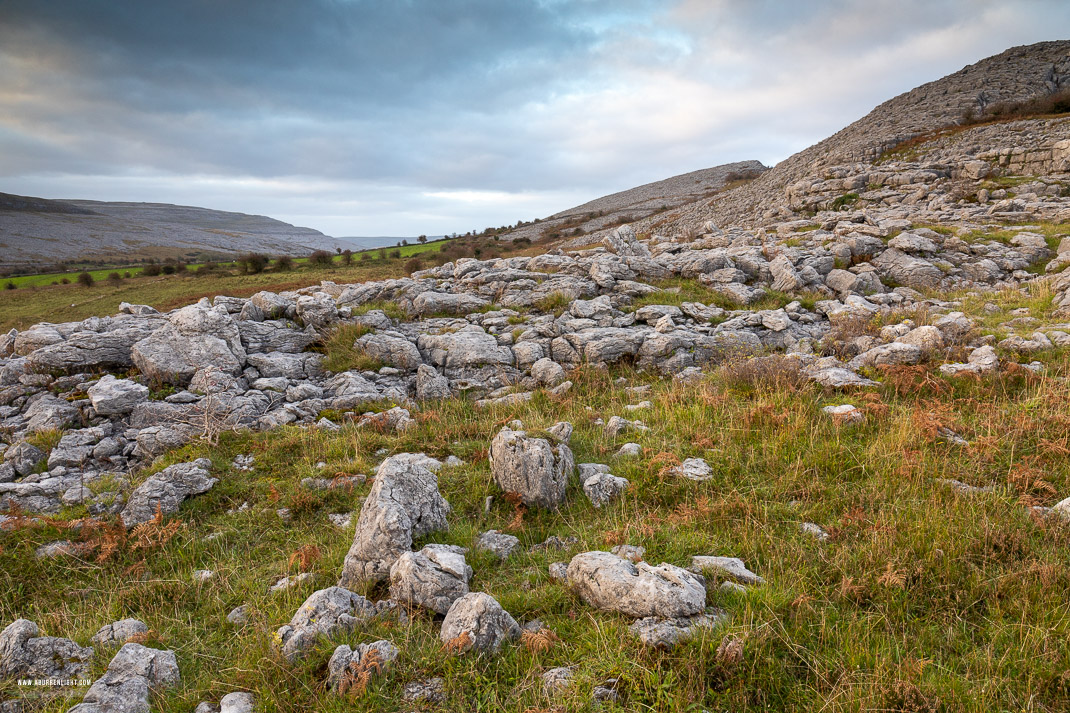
x=37 y=230
x=639 y=202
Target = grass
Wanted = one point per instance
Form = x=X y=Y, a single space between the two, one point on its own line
x=922 y=599
x=343 y=355
x=676 y=291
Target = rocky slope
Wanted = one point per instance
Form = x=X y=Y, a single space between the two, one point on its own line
x=35 y=230
x=637 y=203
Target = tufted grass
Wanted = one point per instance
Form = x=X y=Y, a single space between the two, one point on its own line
x=923 y=599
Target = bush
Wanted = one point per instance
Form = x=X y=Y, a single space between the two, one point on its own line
x=10 y=285
x=168 y=269
x=321 y=257
x=207 y=268
x=64 y=281
x=127 y=274
x=151 y=270
x=284 y=263
x=85 y=279
x=382 y=253
x=413 y=264
x=365 y=256
x=114 y=278
x=347 y=257
x=253 y=263
x=395 y=253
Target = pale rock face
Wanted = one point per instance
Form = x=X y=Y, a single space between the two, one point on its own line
x=392 y=351
x=125 y=686
x=909 y=271
x=624 y=243
x=477 y=622
x=119 y=632
x=531 y=468
x=665 y=633
x=694 y=469
x=404 y=503
x=844 y=414
x=725 y=566
x=111 y=396
x=432 y=578
x=166 y=490
x=324 y=613
x=26 y=654
x=547 y=372
x=612 y=583
x=428 y=303
x=376 y=656
x=430 y=384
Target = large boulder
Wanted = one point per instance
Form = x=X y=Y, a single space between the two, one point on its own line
x=624 y=243
x=393 y=351
x=125 y=686
x=532 y=468
x=907 y=270
x=477 y=622
x=166 y=490
x=429 y=303
x=100 y=343
x=325 y=613
x=197 y=337
x=403 y=504
x=432 y=578
x=26 y=654
x=466 y=349
x=49 y=413
x=612 y=583
x=430 y=384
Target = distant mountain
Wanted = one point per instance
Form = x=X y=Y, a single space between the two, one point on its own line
x=37 y=230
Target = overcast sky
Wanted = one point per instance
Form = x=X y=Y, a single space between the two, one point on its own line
x=401 y=117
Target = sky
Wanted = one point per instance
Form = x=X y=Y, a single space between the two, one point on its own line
x=408 y=117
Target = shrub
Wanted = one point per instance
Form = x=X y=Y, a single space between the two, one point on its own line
x=284 y=263
x=85 y=279
x=168 y=269
x=253 y=263
x=321 y=257
x=64 y=281
x=395 y=253
x=10 y=285
x=347 y=257
x=382 y=253
x=114 y=278
x=127 y=274
x=413 y=264
x=151 y=270
x=365 y=256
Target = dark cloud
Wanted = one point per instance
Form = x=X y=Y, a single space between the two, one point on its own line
x=415 y=116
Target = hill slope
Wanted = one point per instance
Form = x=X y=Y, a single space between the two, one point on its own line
x=35 y=230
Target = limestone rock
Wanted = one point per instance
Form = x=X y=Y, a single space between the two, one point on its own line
x=477 y=622
x=374 y=658
x=499 y=543
x=26 y=654
x=665 y=633
x=432 y=578
x=612 y=583
x=118 y=632
x=165 y=491
x=114 y=397
x=125 y=686
x=531 y=468
x=404 y=503
x=324 y=613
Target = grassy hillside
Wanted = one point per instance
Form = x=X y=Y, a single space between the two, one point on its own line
x=923 y=598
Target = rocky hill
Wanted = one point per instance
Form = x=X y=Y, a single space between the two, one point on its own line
x=36 y=230
x=693 y=465
x=634 y=204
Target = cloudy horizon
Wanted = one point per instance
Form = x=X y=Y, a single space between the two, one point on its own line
x=401 y=118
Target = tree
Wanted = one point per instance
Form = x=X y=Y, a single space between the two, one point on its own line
x=114 y=279
x=151 y=270
x=321 y=257
x=421 y=239
x=85 y=279
x=347 y=257
x=252 y=263
x=284 y=263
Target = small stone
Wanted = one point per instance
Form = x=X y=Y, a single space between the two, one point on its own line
x=203 y=575
x=693 y=469
x=499 y=543
x=559 y=571
x=238 y=702
x=239 y=615
x=556 y=680
x=728 y=566
x=633 y=553
x=629 y=450
x=845 y=414
x=814 y=530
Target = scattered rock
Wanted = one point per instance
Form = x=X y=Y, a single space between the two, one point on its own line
x=693 y=469
x=612 y=583
x=165 y=491
x=531 y=468
x=348 y=664
x=26 y=654
x=325 y=613
x=118 y=632
x=433 y=578
x=499 y=543
x=476 y=621
x=724 y=566
x=404 y=503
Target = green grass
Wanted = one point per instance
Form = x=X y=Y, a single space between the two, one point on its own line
x=343 y=355
x=676 y=291
x=922 y=599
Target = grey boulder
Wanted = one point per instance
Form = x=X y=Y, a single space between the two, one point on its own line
x=432 y=578
x=403 y=504
x=114 y=397
x=531 y=468
x=612 y=583
x=477 y=622
x=165 y=491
